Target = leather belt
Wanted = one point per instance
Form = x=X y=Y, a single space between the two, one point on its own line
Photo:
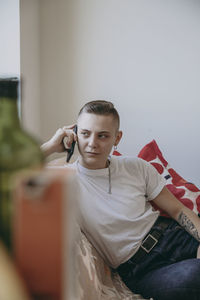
x=149 y=242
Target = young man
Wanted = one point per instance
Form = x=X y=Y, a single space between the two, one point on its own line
x=155 y=256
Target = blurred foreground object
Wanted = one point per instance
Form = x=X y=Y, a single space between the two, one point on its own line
x=44 y=230
x=11 y=286
x=18 y=151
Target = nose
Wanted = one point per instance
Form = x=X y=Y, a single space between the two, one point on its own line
x=92 y=143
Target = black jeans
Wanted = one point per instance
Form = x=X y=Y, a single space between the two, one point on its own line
x=170 y=271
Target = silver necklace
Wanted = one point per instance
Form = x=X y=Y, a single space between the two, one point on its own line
x=109 y=178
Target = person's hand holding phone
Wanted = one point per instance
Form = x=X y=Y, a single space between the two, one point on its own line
x=61 y=141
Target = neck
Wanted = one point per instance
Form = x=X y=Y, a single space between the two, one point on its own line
x=93 y=166
x=107 y=166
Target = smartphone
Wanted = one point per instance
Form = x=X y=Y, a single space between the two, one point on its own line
x=71 y=149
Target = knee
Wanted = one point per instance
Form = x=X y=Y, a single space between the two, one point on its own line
x=178 y=281
x=185 y=283
x=190 y=273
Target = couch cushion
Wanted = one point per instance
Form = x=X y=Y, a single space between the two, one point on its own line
x=184 y=191
x=95 y=279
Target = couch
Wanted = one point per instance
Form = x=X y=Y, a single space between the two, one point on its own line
x=95 y=280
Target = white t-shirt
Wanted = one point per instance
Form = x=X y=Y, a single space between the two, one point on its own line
x=116 y=223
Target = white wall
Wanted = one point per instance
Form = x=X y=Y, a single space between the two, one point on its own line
x=9 y=38
x=142 y=55
x=30 y=65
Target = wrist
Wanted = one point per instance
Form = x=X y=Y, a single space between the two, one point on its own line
x=47 y=149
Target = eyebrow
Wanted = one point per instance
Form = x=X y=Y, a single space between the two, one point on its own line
x=103 y=131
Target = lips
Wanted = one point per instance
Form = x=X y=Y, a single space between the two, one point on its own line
x=92 y=153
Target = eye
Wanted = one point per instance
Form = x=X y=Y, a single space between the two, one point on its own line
x=103 y=136
x=85 y=133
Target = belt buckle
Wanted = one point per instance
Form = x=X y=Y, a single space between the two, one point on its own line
x=150 y=242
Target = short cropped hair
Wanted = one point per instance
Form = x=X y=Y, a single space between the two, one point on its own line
x=101 y=107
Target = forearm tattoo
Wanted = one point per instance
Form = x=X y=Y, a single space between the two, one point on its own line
x=187 y=224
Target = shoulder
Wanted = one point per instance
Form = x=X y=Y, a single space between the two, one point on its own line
x=126 y=160
x=129 y=163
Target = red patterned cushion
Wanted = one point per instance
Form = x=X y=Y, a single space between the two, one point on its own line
x=115 y=152
x=184 y=191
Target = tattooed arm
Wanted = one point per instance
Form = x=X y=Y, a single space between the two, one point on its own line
x=188 y=224
x=183 y=215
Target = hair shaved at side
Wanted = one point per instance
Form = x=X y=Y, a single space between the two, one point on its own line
x=101 y=107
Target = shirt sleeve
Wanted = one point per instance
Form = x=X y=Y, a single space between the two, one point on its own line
x=154 y=182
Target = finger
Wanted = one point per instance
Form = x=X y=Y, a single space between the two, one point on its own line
x=69 y=127
x=75 y=136
x=70 y=133
x=59 y=131
x=65 y=143
x=69 y=139
x=58 y=136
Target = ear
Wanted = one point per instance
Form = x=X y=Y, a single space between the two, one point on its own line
x=118 y=138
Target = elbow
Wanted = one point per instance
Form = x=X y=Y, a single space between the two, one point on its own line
x=175 y=214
